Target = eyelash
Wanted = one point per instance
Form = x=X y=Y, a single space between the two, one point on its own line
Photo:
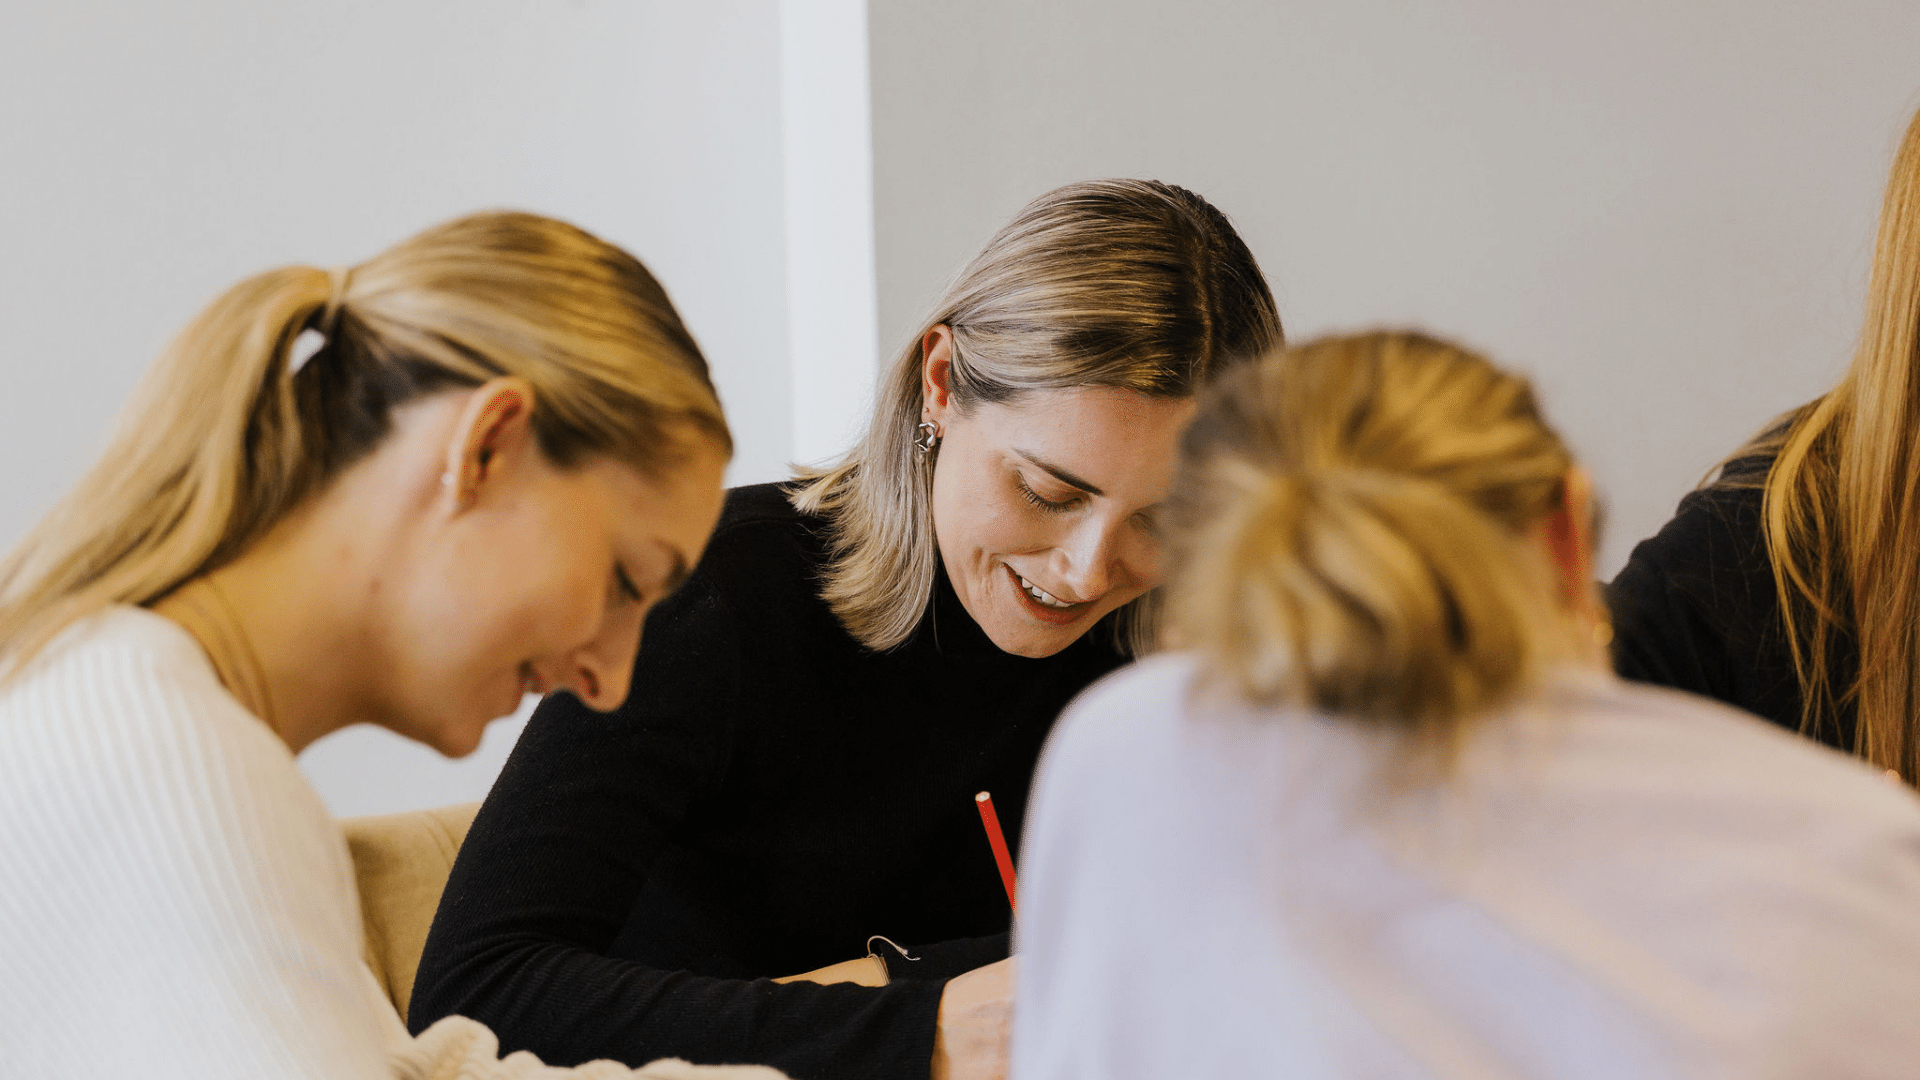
x=625 y=583
x=1033 y=497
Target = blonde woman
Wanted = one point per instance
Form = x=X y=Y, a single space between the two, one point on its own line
x=1790 y=585
x=860 y=653
x=1388 y=815
x=402 y=493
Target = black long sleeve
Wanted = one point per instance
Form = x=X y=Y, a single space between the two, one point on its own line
x=770 y=796
x=1696 y=609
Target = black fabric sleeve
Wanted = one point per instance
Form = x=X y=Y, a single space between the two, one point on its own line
x=1662 y=631
x=1695 y=607
x=944 y=960
x=561 y=850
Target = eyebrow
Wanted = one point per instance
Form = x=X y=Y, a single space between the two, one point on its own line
x=1059 y=473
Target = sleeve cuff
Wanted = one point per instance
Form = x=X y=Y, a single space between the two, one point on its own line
x=940 y=961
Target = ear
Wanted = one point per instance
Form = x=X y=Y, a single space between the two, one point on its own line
x=495 y=427
x=1567 y=534
x=936 y=368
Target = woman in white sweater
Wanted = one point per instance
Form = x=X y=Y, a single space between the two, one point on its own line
x=405 y=493
x=1388 y=815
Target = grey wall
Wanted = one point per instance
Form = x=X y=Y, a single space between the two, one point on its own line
x=1664 y=211
x=155 y=153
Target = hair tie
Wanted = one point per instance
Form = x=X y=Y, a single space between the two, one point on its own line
x=314 y=338
x=338 y=278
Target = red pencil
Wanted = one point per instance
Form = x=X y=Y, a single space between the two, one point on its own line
x=994 y=837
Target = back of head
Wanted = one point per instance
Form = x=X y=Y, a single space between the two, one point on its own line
x=1347 y=531
x=228 y=434
x=1134 y=284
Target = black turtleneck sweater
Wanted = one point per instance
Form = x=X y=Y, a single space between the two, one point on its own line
x=1695 y=608
x=771 y=794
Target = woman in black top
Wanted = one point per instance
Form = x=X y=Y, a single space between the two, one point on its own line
x=857 y=654
x=1696 y=607
x=1791 y=585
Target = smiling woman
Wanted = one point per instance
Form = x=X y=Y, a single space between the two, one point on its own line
x=502 y=452
x=859 y=654
x=1043 y=507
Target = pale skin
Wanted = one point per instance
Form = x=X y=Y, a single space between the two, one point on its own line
x=1044 y=507
x=447 y=573
x=1565 y=538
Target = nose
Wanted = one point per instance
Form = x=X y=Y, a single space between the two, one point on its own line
x=601 y=671
x=1103 y=555
x=1087 y=563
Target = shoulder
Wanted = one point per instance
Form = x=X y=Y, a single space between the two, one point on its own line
x=1136 y=703
x=1701 y=583
x=1698 y=754
x=1717 y=527
x=763 y=509
x=1118 y=736
x=761 y=535
x=127 y=678
x=122 y=728
x=145 y=812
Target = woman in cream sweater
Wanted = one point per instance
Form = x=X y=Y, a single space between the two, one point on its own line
x=404 y=494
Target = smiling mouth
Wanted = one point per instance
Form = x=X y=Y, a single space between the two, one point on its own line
x=1042 y=596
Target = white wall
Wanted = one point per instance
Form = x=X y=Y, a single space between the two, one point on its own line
x=1664 y=211
x=155 y=153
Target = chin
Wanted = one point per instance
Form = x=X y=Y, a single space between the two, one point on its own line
x=453 y=737
x=1031 y=642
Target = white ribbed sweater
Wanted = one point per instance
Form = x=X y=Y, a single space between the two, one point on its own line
x=175 y=900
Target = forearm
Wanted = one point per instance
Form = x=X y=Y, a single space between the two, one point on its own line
x=568 y=1006
x=457 y=1048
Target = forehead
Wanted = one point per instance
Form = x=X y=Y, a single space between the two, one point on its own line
x=1115 y=438
x=1087 y=413
x=676 y=509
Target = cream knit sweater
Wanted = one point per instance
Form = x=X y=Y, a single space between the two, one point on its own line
x=175 y=900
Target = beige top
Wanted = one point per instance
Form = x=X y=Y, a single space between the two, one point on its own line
x=1611 y=881
x=175 y=900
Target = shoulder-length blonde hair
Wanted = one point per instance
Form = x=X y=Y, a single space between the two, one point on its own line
x=1841 y=508
x=1347 y=532
x=224 y=437
x=1125 y=283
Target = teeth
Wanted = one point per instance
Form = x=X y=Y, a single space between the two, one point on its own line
x=1042 y=595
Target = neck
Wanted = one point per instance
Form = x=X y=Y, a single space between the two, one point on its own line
x=285 y=627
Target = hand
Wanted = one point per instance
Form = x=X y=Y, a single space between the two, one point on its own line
x=867 y=971
x=976 y=1019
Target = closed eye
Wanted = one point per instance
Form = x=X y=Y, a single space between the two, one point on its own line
x=624 y=584
x=1032 y=496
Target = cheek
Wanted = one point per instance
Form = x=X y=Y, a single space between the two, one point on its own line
x=502 y=595
x=1145 y=560
x=975 y=511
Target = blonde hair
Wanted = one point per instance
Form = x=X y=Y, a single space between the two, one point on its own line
x=1124 y=283
x=1346 y=531
x=224 y=438
x=1841 y=508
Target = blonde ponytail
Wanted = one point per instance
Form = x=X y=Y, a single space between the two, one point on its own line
x=223 y=439
x=1347 y=531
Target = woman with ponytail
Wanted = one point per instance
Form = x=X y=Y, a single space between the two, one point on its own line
x=404 y=493
x=1385 y=813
